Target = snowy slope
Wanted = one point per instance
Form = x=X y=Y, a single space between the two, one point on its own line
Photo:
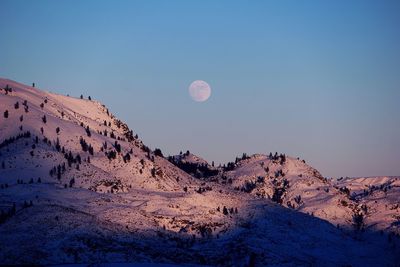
x=380 y=199
x=72 y=116
x=140 y=207
x=293 y=184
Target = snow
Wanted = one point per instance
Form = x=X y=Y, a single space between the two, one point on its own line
x=146 y=210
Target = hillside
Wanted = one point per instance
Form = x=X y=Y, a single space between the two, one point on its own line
x=86 y=130
x=292 y=183
x=379 y=198
x=79 y=186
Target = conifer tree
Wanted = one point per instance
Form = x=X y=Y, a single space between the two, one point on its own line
x=225 y=211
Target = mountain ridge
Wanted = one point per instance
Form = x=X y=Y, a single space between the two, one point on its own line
x=70 y=161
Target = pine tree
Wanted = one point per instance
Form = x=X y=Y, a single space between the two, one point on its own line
x=44 y=119
x=58 y=146
x=88 y=131
x=78 y=159
x=225 y=211
x=6 y=114
x=90 y=149
x=158 y=152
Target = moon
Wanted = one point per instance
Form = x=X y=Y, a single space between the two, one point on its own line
x=199 y=91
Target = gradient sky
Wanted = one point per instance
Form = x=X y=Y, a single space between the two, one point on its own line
x=318 y=80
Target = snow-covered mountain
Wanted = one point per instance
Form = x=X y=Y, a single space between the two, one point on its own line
x=77 y=185
x=292 y=183
x=84 y=132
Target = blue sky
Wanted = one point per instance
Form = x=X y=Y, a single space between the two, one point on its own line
x=314 y=79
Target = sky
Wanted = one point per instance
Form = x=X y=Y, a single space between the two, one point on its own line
x=319 y=80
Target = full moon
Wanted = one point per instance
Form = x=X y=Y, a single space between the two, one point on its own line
x=199 y=91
